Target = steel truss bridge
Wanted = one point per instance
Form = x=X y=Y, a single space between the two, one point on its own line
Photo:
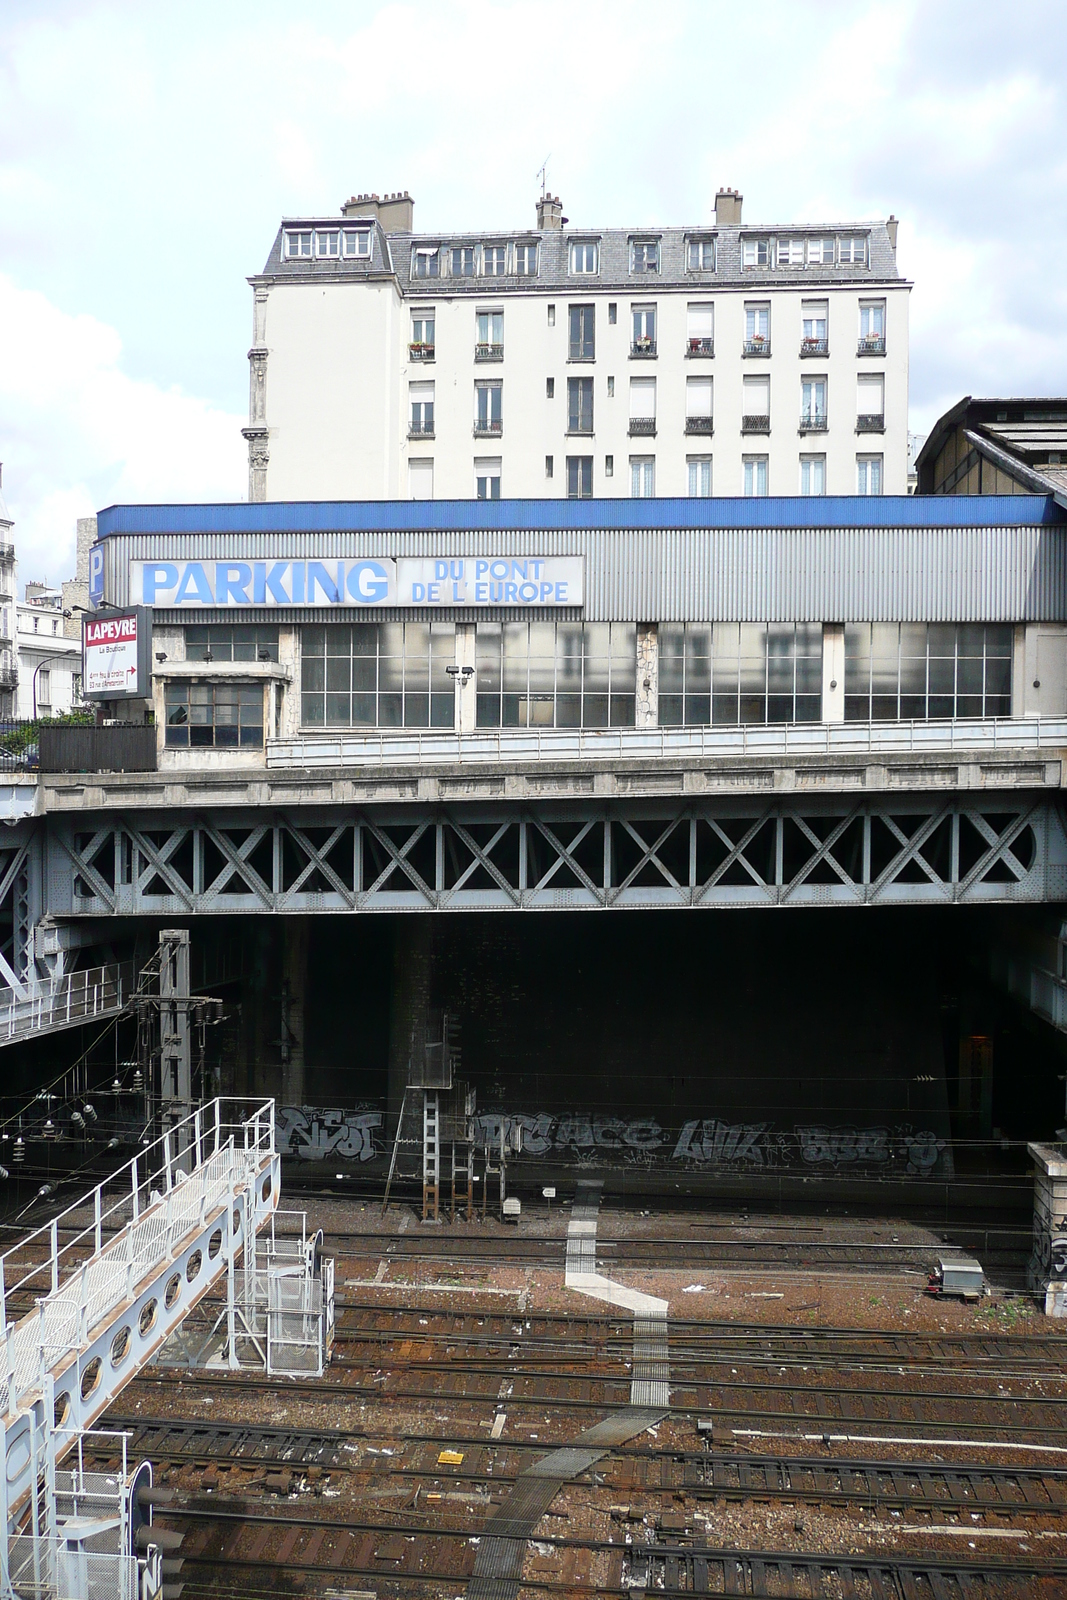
x=594 y=854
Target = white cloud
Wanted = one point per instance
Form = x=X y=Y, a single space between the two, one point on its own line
x=79 y=433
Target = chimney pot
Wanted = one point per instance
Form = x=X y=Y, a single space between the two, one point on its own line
x=891 y=226
x=550 y=212
x=728 y=208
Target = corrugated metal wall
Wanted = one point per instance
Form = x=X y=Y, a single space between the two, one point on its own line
x=818 y=574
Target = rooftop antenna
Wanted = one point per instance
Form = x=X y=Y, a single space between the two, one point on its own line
x=542 y=173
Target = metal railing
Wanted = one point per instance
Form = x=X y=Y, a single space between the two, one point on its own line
x=700 y=347
x=813 y=422
x=703 y=425
x=168 y=1190
x=643 y=347
x=488 y=427
x=420 y=430
x=421 y=351
x=870 y=422
x=756 y=424
x=40 y=1005
x=756 y=347
x=872 y=345
x=642 y=426
x=814 y=347
x=753 y=739
x=488 y=352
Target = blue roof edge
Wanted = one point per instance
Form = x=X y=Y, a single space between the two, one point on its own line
x=825 y=511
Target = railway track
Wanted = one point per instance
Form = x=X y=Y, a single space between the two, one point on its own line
x=407 y=1557
x=923 y=1489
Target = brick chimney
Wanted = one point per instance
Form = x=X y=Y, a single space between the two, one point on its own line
x=728 y=208
x=395 y=212
x=891 y=226
x=550 y=212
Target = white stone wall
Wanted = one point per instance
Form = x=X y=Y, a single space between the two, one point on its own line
x=334 y=395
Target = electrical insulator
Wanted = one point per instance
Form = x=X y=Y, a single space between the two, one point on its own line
x=18 y=1154
x=4 y=1174
x=49 y=1129
x=89 y=1111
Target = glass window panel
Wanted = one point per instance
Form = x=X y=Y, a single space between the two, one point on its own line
x=312 y=641
x=969 y=676
x=912 y=677
x=390 y=710
x=621 y=711
x=442 y=710
x=940 y=706
x=998 y=639
x=364 y=638
x=942 y=677
x=725 y=640
x=338 y=641
x=970 y=639
x=724 y=709
x=312 y=673
x=942 y=637
x=998 y=705
x=416 y=711
x=912 y=707
x=697 y=709
x=390 y=674
x=338 y=707
x=363 y=711
x=670 y=708
x=312 y=710
x=364 y=673
x=339 y=673
x=998 y=677
x=968 y=705
x=488 y=711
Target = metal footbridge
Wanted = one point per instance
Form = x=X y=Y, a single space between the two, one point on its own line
x=82 y=1317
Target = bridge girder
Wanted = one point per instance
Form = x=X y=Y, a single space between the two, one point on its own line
x=578 y=855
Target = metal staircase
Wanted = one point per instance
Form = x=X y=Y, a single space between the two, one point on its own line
x=144 y=1249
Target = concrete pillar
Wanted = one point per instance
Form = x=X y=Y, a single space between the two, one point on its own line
x=466 y=682
x=1047 y=1271
x=289 y=657
x=295 y=936
x=833 y=672
x=646 y=713
x=410 y=998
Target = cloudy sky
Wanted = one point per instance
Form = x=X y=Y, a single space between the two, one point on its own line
x=148 y=151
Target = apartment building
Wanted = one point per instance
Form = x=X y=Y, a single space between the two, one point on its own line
x=719 y=359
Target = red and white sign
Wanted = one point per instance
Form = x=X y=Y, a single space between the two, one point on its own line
x=110 y=647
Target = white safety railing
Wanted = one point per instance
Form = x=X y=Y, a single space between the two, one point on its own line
x=40 y=1004
x=413 y=746
x=147 y=1208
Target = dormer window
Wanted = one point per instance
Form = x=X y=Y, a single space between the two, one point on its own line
x=426 y=261
x=820 y=252
x=463 y=261
x=755 y=252
x=700 y=255
x=644 y=255
x=328 y=242
x=355 y=243
x=299 y=243
x=791 y=252
x=526 y=260
x=585 y=258
x=494 y=260
x=852 y=252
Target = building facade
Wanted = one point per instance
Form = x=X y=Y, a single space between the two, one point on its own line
x=997 y=447
x=724 y=359
x=281 y=628
x=49 y=659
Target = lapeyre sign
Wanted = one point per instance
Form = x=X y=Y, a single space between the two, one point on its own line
x=115 y=654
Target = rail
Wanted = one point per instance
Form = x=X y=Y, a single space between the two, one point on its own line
x=41 y=1005
x=972 y=736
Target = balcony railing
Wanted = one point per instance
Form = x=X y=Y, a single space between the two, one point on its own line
x=870 y=422
x=759 y=346
x=420 y=430
x=644 y=426
x=374 y=748
x=643 y=347
x=814 y=347
x=871 y=345
x=488 y=427
x=758 y=424
x=703 y=425
x=813 y=422
x=700 y=347
x=488 y=352
x=421 y=352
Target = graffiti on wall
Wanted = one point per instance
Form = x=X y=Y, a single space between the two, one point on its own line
x=313 y=1134
x=702 y=1143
